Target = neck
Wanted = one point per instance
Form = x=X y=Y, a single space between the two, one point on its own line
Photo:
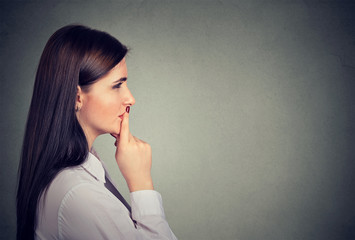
x=90 y=135
x=90 y=139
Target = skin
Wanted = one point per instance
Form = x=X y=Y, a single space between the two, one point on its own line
x=103 y=110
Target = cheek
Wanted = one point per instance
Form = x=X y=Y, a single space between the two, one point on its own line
x=103 y=110
x=99 y=106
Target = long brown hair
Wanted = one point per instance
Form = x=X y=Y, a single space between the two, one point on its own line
x=74 y=55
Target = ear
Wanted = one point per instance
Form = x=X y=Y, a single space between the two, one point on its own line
x=79 y=98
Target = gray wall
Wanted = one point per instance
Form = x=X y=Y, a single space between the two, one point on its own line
x=247 y=104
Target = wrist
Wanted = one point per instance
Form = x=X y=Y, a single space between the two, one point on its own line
x=141 y=185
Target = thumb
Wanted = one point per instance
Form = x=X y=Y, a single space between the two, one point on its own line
x=124 y=132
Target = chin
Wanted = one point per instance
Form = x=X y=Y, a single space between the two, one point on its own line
x=110 y=131
x=115 y=131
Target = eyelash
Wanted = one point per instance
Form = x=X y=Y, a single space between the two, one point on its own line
x=117 y=85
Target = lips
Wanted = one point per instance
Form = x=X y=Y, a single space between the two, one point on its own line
x=121 y=116
x=115 y=135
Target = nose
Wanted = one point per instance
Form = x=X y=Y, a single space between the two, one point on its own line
x=130 y=101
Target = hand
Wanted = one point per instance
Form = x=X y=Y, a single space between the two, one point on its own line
x=134 y=158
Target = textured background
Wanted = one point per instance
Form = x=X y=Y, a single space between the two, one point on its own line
x=248 y=106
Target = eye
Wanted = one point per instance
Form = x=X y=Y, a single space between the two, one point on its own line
x=117 y=85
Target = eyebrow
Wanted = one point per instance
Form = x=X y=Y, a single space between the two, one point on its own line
x=121 y=80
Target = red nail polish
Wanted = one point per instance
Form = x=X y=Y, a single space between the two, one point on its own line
x=127 y=109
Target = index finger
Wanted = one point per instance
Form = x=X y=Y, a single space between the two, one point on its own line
x=124 y=132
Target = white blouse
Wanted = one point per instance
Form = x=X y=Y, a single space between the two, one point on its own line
x=83 y=203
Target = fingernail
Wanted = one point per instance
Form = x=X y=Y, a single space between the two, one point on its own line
x=127 y=109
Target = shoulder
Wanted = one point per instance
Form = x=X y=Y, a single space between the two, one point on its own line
x=68 y=179
x=79 y=192
x=88 y=211
x=74 y=180
x=87 y=199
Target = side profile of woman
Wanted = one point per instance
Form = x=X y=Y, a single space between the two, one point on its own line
x=64 y=190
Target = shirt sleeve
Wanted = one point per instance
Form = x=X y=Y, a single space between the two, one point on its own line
x=90 y=212
x=148 y=212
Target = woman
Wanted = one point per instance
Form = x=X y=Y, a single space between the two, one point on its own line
x=64 y=191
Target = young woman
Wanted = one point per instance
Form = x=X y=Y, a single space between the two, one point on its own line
x=64 y=190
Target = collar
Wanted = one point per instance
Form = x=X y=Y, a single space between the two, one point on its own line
x=94 y=167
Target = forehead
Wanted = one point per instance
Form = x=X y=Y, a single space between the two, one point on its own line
x=121 y=64
x=117 y=72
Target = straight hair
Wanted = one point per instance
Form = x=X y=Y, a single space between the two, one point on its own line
x=74 y=56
